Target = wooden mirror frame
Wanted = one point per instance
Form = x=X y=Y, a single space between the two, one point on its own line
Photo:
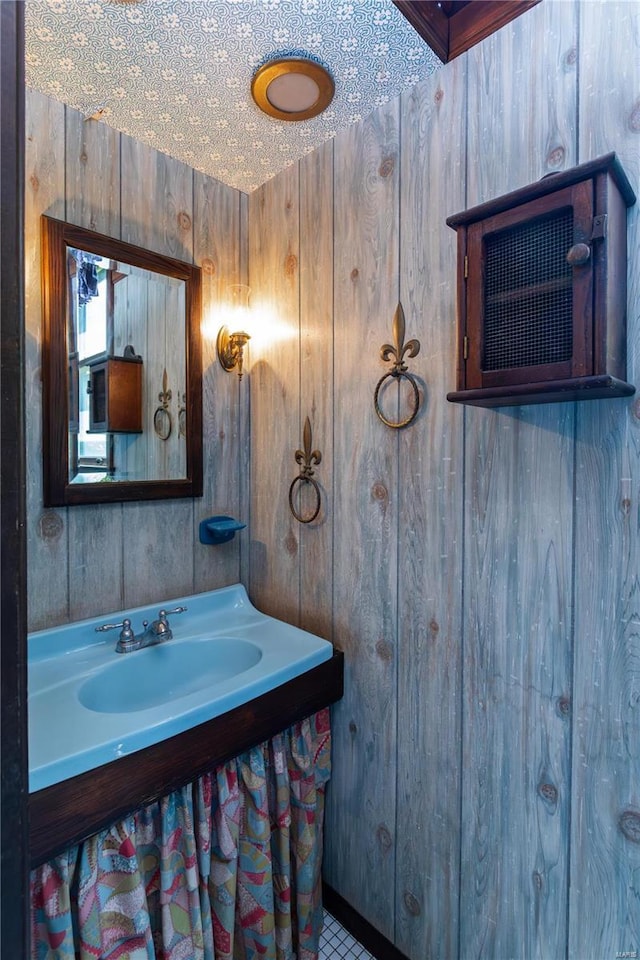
x=57 y=235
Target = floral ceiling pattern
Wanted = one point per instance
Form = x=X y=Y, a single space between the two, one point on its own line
x=176 y=75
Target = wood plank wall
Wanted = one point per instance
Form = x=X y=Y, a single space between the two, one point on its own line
x=84 y=561
x=480 y=569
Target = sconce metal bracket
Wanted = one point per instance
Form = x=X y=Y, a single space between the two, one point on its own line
x=230 y=348
x=306 y=458
x=396 y=352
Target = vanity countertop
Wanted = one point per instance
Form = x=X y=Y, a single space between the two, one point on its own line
x=89 y=705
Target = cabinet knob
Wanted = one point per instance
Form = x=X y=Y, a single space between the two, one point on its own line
x=579 y=254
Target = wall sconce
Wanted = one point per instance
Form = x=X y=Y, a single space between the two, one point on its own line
x=230 y=346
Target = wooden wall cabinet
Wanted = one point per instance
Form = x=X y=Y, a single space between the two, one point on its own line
x=542 y=290
x=115 y=401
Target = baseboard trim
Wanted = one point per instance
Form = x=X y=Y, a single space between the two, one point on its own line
x=358 y=927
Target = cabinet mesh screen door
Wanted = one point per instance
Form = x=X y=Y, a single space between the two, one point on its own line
x=528 y=297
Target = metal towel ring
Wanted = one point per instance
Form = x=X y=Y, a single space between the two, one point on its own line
x=396 y=352
x=306 y=458
x=162 y=423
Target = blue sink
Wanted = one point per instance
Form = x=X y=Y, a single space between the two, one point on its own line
x=166 y=672
x=89 y=705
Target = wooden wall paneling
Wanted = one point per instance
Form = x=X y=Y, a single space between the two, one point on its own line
x=360 y=853
x=47 y=533
x=430 y=527
x=275 y=381
x=316 y=386
x=155 y=360
x=131 y=310
x=244 y=414
x=157 y=213
x=176 y=360
x=216 y=251
x=92 y=176
x=604 y=919
x=518 y=549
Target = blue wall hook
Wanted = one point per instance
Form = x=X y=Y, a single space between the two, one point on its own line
x=219 y=529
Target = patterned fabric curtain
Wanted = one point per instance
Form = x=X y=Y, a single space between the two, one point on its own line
x=226 y=868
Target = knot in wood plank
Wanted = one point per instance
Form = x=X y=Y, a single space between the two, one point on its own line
x=555 y=157
x=50 y=526
x=379 y=492
x=629 y=823
x=387 y=166
x=384 y=838
x=634 y=118
x=184 y=220
x=412 y=904
x=291 y=544
x=549 y=793
x=290 y=265
x=384 y=650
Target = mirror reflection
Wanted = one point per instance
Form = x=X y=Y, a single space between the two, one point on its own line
x=121 y=370
x=127 y=371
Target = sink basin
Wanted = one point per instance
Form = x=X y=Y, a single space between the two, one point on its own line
x=165 y=672
x=89 y=705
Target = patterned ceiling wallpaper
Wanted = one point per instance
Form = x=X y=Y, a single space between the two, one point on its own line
x=176 y=74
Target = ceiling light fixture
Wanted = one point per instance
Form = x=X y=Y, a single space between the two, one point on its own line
x=292 y=88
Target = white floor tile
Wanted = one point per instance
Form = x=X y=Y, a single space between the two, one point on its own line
x=337 y=944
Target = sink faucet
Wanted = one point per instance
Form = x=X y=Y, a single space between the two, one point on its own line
x=155 y=632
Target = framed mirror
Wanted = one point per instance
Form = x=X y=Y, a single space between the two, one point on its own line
x=122 y=370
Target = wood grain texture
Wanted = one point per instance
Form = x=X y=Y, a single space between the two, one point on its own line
x=157 y=213
x=154 y=550
x=93 y=174
x=274 y=259
x=430 y=528
x=244 y=416
x=518 y=552
x=217 y=252
x=361 y=809
x=316 y=385
x=605 y=853
x=92 y=178
x=47 y=533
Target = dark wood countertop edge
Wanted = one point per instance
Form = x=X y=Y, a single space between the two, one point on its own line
x=66 y=813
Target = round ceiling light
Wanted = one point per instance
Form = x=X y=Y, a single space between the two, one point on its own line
x=292 y=88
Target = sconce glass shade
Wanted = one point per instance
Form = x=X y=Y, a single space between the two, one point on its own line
x=230 y=348
x=293 y=88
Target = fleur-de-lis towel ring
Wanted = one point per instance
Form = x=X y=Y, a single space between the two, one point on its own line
x=162 y=418
x=306 y=459
x=395 y=352
x=182 y=415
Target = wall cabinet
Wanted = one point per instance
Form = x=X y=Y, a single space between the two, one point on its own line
x=115 y=395
x=542 y=290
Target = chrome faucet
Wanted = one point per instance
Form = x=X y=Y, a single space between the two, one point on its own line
x=155 y=632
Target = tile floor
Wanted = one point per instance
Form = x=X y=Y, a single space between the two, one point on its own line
x=337 y=944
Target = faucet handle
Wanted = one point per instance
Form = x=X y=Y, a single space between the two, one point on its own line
x=126 y=633
x=126 y=625
x=165 y=613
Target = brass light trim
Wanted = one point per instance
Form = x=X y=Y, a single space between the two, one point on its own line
x=230 y=349
x=291 y=66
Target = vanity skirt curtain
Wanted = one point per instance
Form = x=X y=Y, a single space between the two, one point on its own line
x=226 y=868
